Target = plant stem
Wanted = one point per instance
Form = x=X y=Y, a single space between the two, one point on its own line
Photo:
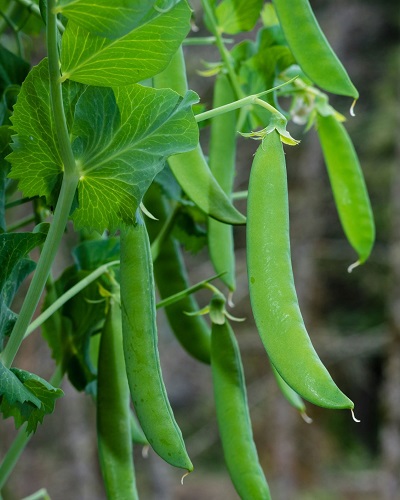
x=21 y=223
x=37 y=285
x=57 y=304
x=204 y=40
x=245 y=101
x=226 y=57
x=16 y=203
x=64 y=203
x=34 y=8
x=22 y=439
x=60 y=122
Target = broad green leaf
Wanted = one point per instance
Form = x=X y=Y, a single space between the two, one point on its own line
x=235 y=16
x=43 y=394
x=142 y=53
x=35 y=159
x=122 y=140
x=112 y=19
x=13 y=391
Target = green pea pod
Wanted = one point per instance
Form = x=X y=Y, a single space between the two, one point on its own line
x=233 y=416
x=272 y=291
x=113 y=412
x=311 y=49
x=222 y=164
x=192 y=332
x=348 y=185
x=137 y=434
x=142 y=360
x=191 y=169
x=291 y=396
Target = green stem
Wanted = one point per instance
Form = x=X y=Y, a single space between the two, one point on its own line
x=34 y=8
x=245 y=101
x=64 y=203
x=42 y=493
x=181 y=295
x=50 y=248
x=205 y=40
x=17 y=203
x=240 y=195
x=57 y=304
x=14 y=452
x=21 y=223
x=226 y=57
x=57 y=105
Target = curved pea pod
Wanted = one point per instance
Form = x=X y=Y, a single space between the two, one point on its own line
x=272 y=291
x=142 y=360
x=348 y=185
x=192 y=332
x=191 y=169
x=291 y=396
x=222 y=164
x=311 y=48
x=233 y=416
x=113 y=411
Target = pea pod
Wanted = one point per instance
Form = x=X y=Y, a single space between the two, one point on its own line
x=291 y=396
x=191 y=169
x=222 y=164
x=233 y=416
x=192 y=332
x=142 y=360
x=348 y=185
x=311 y=49
x=272 y=291
x=113 y=412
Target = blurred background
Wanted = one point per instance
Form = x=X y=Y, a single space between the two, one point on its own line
x=353 y=319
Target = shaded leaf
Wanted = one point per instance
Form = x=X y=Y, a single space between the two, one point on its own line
x=42 y=402
x=140 y=54
x=13 y=69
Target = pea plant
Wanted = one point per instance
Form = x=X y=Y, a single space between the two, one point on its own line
x=105 y=132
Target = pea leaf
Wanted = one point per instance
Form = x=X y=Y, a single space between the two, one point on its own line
x=235 y=16
x=140 y=54
x=122 y=140
x=35 y=159
x=26 y=397
x=13 y=270
x=81 y=317
x=111 y=19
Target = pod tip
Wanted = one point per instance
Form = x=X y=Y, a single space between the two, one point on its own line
x=306 y=418
x=184 y=475
x=354 y=417
x=352 y=113
x=353 y=266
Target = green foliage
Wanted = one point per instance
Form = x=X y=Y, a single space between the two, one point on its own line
x=94 y=125
x=26 y=397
